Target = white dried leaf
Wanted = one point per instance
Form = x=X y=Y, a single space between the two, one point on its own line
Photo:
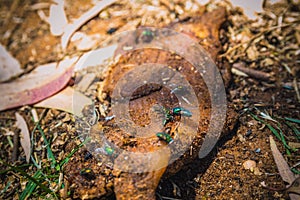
x=9 y=66
x=25 y=136
x=57 y=18
x=67 y=100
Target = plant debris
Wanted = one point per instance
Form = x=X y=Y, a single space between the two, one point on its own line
x=259 y=61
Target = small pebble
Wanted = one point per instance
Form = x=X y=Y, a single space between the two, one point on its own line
x=249 y=164
x=258 y=150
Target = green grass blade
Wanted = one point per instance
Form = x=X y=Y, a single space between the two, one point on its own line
x=295 y=171
x=5 y=188
x=17 y=169
x=284 y=141
x=295 y=130
x=7 y=170
x=49 y=151
x=64 y=161
x=293 y=120
x=278 y=135
x=30 y=187
x=39 y=166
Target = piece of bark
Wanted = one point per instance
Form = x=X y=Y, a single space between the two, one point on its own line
x=259 y=75
x=39 y=84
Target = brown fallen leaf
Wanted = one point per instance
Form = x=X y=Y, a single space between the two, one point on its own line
x=283 y=168
x=25 y=136
x=41 y=83
x=68 y=100
x=295 y=187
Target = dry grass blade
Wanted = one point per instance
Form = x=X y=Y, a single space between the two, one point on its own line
x=25 y=137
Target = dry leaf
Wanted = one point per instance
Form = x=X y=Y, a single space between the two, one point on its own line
x=248 y=8
x=283 y=168
x=295 y=187
x=41 y=83
x=9 y=66
x=95 y=57
x=85 y=82
x=25 y=136
x=67 y=100
x=71 y=28
x=84 y=42
x=57 y=17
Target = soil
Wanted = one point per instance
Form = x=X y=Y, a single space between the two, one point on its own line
x=221 y=174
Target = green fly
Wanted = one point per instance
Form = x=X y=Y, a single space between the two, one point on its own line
x=147 y=36
x=181 y=111
x=170 y=113
x=109 y=150
x=165 y=137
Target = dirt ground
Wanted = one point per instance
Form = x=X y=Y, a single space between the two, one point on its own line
x=269 y=46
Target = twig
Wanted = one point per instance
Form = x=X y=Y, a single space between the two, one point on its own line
x=252 y=72
x=7 y=118
x=15 y=152
x=71 y=28
x=296 y=89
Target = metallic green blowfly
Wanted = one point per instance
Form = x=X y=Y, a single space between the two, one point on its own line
x=170 y=113
x=165 y=137
x=181 y=111
x=109 y=150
